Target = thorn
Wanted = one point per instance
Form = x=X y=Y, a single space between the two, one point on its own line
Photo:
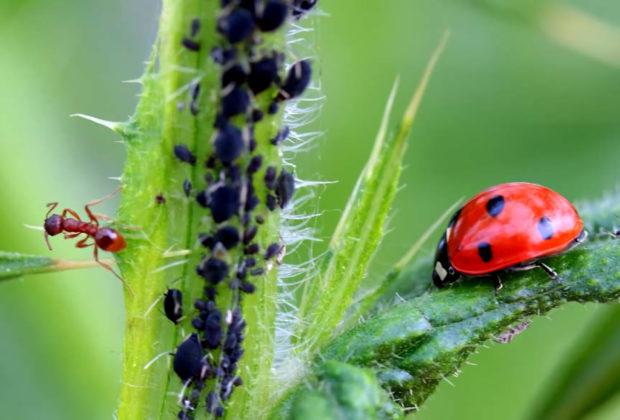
x=115 y=126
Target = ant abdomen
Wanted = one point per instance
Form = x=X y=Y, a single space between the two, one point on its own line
x=109 y=240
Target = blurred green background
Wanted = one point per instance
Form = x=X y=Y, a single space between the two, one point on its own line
x=507 y=102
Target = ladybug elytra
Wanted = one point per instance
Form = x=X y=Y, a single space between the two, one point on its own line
x=506 y=227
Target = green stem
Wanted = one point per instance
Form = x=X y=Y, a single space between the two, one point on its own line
x=151 y=169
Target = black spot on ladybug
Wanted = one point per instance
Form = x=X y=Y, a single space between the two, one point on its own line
x=485 y=252
x=545 y=228
x=495 y=205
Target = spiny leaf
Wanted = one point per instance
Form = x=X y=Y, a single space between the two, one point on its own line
x=360 y=229
x=14 y=265
x=590 y=376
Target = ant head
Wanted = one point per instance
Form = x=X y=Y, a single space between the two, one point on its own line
x=110 y=240
x=53 y=225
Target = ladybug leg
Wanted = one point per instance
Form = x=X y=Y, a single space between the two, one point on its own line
x=553 y=275
x=498 y=284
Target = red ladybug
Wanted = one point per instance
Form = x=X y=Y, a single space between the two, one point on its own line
x=507 y=227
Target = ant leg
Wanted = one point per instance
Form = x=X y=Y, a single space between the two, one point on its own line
x=550 y=271
x=91 y=215
x=51 y=207
x=71 y=212
x=72 y=235
x=110 y=269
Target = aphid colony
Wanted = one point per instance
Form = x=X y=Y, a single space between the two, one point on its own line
x=208 y=357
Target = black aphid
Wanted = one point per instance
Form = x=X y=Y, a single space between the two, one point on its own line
x=247 y=287
x=263 y=74
x=236 y=25
x=285 y=188
x=184 y=154
x=281 y=136
x=187 y=187
x=160 y=199
x=257 y=272
x=259 y=219
x=213 y=270
x=228 y=144
x=254 y=165
x=251 y=249
x=213 y=329
x=194 y=107
x=272 y=250
x=235 y=74
x=272 y=15
x=223 y=56
x=188 y=362
x=173 y=305
x=297 y=80
x=271 y=177
x=191 y=45
x=271 y=202
x=301 y=7
x=195 y=27
x=273 y=108
x=228 y=236
x=224 y=203
x=257 y=115
x=249 y=234
x=235 y=102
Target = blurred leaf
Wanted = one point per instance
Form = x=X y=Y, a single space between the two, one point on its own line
x=13 y=265
x=361 y=226
x=589 y=376
x=340 y=391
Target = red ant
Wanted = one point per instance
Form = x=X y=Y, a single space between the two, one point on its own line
x=106 y=238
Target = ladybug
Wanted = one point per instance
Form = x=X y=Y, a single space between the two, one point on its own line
x=508 y=227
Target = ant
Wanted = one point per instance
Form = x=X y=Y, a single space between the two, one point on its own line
x=106 y=238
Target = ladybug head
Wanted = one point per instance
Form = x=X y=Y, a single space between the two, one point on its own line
x=443 y=272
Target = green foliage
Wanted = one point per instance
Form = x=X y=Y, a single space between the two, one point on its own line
x=14 y=265
x=360 y=230
x=340 y=391
x=414 y=344
x=590 y=376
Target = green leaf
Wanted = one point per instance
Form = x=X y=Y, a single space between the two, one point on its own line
x=14 y=265
x=466 y=315
x=340 y=392
x=360 y=229
x=414 y=344
x=589 y=376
